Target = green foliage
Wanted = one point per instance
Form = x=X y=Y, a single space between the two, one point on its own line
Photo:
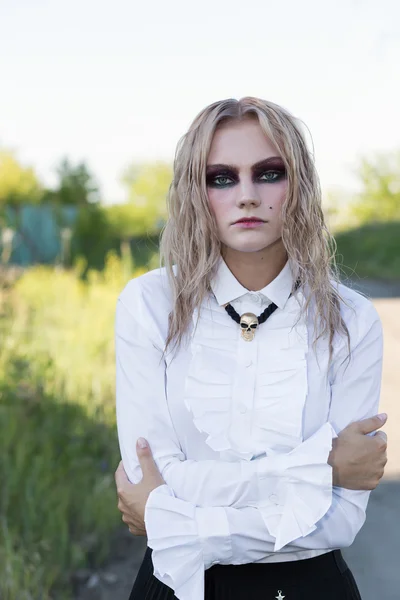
x=56 y=462
x=379 y=200
x=75 y=186
x=124 y=220
x=92 y=236
x=372 y=250
x=98 y=228
x=18 y=184
x=134 y=225
x=58 y=439
x=367 y=226
x=147 y=186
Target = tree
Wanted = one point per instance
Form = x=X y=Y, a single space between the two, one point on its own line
x=92 y=237
x=18 y=184
x=379 y=199
x=76 y=185
x=147 y=185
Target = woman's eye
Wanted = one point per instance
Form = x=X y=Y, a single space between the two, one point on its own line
x=221 y=181
x=275 y=175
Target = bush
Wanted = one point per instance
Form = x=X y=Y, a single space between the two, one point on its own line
x=371 y=250
x=58 y=438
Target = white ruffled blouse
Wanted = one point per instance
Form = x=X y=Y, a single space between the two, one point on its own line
x=241 y=431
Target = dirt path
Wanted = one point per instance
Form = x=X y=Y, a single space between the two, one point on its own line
x=375 y=556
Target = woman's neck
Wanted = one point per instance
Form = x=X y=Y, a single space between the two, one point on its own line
x=255 y=270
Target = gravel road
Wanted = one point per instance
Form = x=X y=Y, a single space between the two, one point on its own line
x=375 y=555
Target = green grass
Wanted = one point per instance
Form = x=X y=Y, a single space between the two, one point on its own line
x=370 y=251
x=58 y=503
x=58 y=441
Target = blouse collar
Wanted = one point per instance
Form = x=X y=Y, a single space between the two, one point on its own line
x=227 y=288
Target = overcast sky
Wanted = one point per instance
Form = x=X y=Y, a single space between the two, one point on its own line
x=117 y=81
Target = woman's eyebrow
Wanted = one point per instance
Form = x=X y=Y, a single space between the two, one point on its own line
x=266 y=162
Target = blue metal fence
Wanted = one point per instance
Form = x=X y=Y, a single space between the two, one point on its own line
x=37 y=232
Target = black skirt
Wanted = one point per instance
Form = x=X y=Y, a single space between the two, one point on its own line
x=325 y=577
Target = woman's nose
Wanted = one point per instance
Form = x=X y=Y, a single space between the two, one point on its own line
x=248 y=195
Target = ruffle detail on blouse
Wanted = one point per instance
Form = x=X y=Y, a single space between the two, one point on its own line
x=177 y=551
x=218 y=370
x=303 y=492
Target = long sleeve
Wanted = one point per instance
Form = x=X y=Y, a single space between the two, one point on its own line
x=235 y=536
x=228 y=535
x=142 y=411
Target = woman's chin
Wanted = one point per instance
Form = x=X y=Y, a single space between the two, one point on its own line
x=249 y=243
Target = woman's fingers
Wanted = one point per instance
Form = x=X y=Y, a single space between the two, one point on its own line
x=147 y=463
x=121 y=479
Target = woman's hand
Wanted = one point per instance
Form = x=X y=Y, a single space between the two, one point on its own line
x=132 y=497
x=358 y=459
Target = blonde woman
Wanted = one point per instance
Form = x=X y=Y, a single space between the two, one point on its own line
x=252 y=374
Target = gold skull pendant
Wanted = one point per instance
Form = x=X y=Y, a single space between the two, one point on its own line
x=248 y=324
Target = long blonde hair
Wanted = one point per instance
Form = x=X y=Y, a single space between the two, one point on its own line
x=190 y=239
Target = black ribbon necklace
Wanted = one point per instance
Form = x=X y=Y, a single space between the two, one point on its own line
x=249 y=322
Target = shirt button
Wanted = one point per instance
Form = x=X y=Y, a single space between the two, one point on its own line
x=242 y=408
x=274 y=498
x=248 y=363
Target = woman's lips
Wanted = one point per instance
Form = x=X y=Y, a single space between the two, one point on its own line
x=249 y=224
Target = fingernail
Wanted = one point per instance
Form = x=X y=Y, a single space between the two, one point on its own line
x=382 y=417
x=142 y=443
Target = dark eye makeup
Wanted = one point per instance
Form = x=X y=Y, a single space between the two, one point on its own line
x=225 y=180
x=269 y=170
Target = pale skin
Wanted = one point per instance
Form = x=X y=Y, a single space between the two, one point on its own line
x=256 y=256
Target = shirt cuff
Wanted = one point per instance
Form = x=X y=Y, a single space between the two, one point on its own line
x=177 y=551
x=296 y=488
x=214 y=534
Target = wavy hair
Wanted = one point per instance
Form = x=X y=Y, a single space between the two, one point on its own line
x=190 y=239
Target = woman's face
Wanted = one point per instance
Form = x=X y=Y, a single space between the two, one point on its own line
x=246 y=177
